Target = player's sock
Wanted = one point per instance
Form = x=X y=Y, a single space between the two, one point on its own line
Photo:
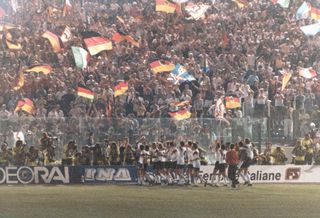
x=243 y=177
x=248 y=178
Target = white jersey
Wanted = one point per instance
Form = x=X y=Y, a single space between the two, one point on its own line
x=162 y=157
x=189 y=154
x=222 y=156
x=174 y=155
x=155 y=155
x=143 y=157
x=249 y=150
x=196 y=159
x=181 y=155
x=217 y=155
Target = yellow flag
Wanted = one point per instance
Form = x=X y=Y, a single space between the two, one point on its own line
x=285 y=79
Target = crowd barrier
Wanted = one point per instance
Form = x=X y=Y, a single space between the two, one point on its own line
x=25 y=175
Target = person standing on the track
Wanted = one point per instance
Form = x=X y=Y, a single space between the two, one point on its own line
x=232 y=160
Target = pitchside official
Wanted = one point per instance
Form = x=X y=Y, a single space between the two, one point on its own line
x=232 y=159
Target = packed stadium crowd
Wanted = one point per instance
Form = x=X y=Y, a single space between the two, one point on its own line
x=107 y=66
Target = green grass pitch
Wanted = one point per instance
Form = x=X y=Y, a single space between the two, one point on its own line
x=157 y=201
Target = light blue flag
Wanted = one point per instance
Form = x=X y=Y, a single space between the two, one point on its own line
x=179 y=74
x=303 y=11
x=311 y=30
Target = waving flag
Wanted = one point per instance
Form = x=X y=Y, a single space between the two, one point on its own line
x=120 y=88
x=282 y=3
x=95 y=43
x=25 y=105
x=54 y=40
x=232 y=102
x=45 y=69
x=66 y=35
x=81 y=57
x=117 y=37
x=315 y=13
x=165 y=6
x=182 y=103
x=67 y=7
x=86 y=93
x=303 y=11
x=197 y=11
x=311 y=30
x=241 y=3
x=307 y=73
x=20 y=83
x=285 y=79
x=120 y=37
x=180 y=115
x=157 y=66
x=180 y=74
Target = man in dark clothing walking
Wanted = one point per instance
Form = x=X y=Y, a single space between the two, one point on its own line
x=232 y=160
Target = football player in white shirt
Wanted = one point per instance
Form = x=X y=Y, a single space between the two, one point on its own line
x=181 y=162
x=222 y=165
x=189 y=156
x=216 y=165
x=196 y=165
x=246 y=157
x=142 y=164
x=173 y=162
x=155 y=159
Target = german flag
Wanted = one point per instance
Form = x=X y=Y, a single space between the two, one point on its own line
x=232 y=102
x=157 y=66
x=120 y=88
x=95 y=43
x=121 y=36
x=132 y=40
x=20 y=83
x=54 y=40
x=45 y=69
x=25 y=105
x=182 y=103
x=165 y=6
x=117 y=37
x=86 y=93
x=241 y=3
x=180 y=115
x=315 y=13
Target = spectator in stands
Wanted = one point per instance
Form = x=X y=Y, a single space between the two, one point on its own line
x=279 y=156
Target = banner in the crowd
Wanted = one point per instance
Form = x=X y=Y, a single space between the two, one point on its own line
x=275 y=173
x=34 y=175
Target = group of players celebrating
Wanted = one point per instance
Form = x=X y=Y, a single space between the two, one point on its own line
x=180 y=164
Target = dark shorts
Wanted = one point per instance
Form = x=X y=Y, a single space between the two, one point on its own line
x=216 y=165
x=190 y=166
x=222 y=167
x=246 y=163
x=157 y=165
x=167 y=164
x=173 y=165
x=179 y=166
x=143 y=166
